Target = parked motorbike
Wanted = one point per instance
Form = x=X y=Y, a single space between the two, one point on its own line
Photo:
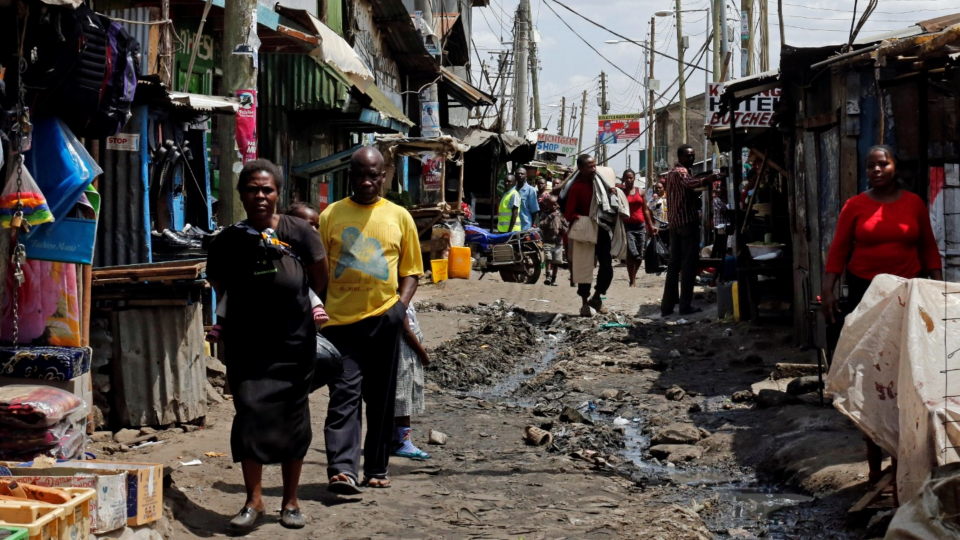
x=517 y=256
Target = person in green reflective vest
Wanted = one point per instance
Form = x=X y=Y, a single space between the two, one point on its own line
x=509 y=216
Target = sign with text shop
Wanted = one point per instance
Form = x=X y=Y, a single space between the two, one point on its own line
x=617 y=128
x=556 y=144
x=755 y=111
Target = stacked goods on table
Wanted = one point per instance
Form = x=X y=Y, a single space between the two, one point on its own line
x=36 y=421
x=46 y=513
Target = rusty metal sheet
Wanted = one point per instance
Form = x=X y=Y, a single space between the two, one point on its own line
x=159 y=365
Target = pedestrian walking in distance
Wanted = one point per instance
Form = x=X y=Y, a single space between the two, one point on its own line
x=684 y=218
x=375 y=262
x=268 y=264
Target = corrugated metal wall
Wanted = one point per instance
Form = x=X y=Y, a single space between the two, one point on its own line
x=122 y=235
x=159 y=365
x=296 y=82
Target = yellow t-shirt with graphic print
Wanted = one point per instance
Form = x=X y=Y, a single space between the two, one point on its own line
x=369 y=247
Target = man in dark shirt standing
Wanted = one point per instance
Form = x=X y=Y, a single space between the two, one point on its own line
x=682 y=215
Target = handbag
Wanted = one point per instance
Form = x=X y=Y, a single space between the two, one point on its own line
x=655 y=256
x=583 y=229
x=329 y=363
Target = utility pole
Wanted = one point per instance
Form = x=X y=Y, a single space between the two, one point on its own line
x=746 y=38
x=534 y=76
x=716 y=38
x=683 y=85
x=724 y=43
x=783 y=37
x=240 y=46
x=583 y=108
x=501 y=61
x=522 y=68
x=563 y=113
x=603 y=110
x=764 y=35
x=653 y=29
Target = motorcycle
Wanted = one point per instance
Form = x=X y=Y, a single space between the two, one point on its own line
x=517 y=256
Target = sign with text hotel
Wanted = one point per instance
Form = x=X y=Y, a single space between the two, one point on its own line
x=755 y=111
x=555 y=144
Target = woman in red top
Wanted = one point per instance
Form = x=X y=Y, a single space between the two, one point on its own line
x=884 y=230
x=633 y=224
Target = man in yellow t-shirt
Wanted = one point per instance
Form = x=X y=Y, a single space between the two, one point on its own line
x=375 y=262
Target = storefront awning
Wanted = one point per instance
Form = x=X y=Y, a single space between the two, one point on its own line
x=464 y=92
x=327 y=165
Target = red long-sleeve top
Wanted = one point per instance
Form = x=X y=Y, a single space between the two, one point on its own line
x=579 y=199
x=875 y=238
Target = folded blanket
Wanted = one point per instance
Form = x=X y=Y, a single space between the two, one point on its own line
x=30 y=406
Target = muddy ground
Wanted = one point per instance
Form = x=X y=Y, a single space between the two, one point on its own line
x=507 y=356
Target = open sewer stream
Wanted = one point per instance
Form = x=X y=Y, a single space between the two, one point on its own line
x=739 y=503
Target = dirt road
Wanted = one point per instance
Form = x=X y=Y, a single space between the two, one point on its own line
x=601 y=386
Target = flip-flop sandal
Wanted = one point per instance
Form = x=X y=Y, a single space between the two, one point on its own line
x=419 y=455
x=366 y=483
x=345 y=487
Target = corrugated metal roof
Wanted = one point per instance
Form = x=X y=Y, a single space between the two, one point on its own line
x=940 y=23
x=297 y=82
x=160 y=365
x=464 y=92
x=402 y=36
x=382 y=103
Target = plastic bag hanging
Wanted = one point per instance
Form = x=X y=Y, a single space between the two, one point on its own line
x=23 y=195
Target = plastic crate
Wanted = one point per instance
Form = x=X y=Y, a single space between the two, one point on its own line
x=40 y=520
x=44 y=521
x=13 y=533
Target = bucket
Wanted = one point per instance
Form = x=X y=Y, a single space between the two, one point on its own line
x=460 y=262
x=439 y=267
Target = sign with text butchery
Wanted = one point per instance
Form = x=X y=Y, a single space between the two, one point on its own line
x=755 y=111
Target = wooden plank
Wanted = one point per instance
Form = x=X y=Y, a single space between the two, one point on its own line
x=849 y=160
x=820 y=120
x=873 y=495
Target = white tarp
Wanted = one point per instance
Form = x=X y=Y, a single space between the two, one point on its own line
x=335 y=50
x=887 y=373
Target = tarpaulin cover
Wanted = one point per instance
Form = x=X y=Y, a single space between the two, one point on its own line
x=934 y=512
x=887 y=373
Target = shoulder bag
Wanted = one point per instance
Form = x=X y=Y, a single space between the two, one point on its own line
x=583 y=229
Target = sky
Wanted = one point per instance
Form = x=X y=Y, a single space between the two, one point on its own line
x=568 y=66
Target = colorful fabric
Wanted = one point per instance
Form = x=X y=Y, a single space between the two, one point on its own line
x=69 y=446
x=636 y=208
x=49 y=304
x=51 y=363
x=24 y=440
x=370 y=248
x=32 y=406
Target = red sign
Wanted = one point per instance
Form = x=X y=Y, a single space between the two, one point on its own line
x=324 y=198
x=754 y=111
x=618 y=128
x=247 y=124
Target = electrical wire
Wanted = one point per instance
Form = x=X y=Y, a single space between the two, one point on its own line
x=621 y=36
x=848 y=11
x=594 y=49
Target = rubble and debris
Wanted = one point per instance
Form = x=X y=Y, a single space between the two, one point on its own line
x=743 y=396
x=677 y=434
x=804 y=385
x=675 y=393
x=437 y=437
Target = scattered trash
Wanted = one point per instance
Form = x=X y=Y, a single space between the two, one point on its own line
x=743 y=396
x=615 y=325
x=620 y=421
x=215 y=454
x=728 y=332
x=146 y=444
x=191 y=463
x=573 y=416
x=539 y=300
x=536 y=436
x=437 y=437
x=682 y=322
x=674 y=354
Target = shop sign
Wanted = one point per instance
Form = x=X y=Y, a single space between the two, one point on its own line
x=125 y=142
x=755 y=111
x=556 y=144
